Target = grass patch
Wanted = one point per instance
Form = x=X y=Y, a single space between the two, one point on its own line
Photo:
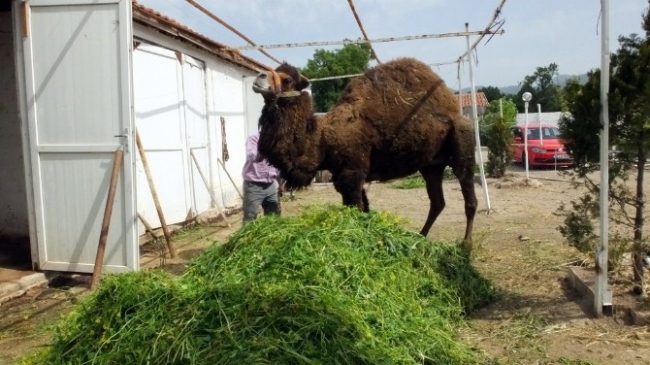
x=410 y=182
x=332 y=286
x=568 y=361
x=523 y=325
x=416 y=181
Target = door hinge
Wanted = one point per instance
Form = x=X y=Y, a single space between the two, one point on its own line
x=126 y=138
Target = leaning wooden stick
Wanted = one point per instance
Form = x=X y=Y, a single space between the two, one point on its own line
x=205 y=181
x=154 y=195
x=148 y=227
x=231 y=180
x=108 y=211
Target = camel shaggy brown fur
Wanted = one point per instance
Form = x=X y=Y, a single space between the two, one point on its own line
x=396 y=119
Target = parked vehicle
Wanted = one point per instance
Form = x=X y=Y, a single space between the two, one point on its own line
x=545 y=148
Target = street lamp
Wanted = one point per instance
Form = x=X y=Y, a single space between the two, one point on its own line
x=526 y=97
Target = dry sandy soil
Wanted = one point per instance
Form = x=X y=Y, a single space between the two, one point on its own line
x=537 y=320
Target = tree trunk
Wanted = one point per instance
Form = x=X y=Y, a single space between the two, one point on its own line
x=638 y=223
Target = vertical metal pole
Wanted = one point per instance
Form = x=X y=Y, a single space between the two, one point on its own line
x=526 y=140
x=539 y=120
x=460 y=89
x=184 y=128
x=501 y=108
x=475 y=119
x=601 y=251
x=212 y=134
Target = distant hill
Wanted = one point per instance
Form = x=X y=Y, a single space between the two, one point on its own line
x=512 y=89
x=560 y=79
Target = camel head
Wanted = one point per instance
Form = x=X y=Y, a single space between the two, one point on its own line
x=283 y=81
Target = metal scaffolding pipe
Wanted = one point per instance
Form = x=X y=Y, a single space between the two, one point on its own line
x=360 y=41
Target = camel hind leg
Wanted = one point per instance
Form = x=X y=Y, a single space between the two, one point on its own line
x=462 y=163
x=465 y=176
x=433 y=177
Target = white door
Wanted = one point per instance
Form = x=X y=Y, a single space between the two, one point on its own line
x=79 y=111
x=197 y=132
x=160 y=119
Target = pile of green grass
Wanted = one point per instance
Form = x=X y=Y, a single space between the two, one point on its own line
x=333 y=286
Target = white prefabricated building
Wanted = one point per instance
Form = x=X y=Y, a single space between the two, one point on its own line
x=78 y=78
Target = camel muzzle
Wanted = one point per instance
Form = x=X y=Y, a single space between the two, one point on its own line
x=261 y=84
x=267 y=83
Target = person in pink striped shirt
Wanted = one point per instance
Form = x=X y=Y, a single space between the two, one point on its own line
x=260 y=185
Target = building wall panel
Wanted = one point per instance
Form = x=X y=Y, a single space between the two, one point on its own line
x=228 y=102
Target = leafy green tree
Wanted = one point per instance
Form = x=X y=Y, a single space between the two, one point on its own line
x=349 y=60
x=629 y=132
x=491 y=93
x=498 y=120
x=545 y=92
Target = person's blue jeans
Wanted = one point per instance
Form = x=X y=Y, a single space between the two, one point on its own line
x=256 y=194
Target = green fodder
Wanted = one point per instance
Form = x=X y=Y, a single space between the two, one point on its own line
x=333 y=286
x=416 y=181
x=410 y=182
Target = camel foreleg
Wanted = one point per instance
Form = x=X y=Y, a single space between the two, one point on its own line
x=349 y=184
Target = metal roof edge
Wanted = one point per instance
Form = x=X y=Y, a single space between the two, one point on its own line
x=171 y=28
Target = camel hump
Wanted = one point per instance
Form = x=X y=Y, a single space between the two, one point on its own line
x=396 y=92
x=409 y=72
x=402 y=81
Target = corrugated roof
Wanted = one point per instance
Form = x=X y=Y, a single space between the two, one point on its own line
x=466 y=99
x=168 y=26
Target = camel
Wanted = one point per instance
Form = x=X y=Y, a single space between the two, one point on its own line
x=396 y=119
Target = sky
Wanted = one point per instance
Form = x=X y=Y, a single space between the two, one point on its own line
x=537 y=32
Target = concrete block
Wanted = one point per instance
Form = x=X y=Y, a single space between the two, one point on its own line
x=7 y=288
x=16 y=288
x=32 y=280
x=637 y=318
x=582 y=286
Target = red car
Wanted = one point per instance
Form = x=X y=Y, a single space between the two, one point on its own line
x=547 y=150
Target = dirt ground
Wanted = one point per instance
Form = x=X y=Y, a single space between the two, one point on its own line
x=537 y=320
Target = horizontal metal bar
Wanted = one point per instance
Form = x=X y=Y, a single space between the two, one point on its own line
x=93 y=148
x=360 y=41
x=65 y=148
x=334 y=77
x=355 y=75
x=34 y=3
x=164 y=149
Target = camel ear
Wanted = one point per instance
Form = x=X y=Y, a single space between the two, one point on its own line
x=302 y=83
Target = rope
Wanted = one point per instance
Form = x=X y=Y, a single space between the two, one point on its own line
x=224 y=143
